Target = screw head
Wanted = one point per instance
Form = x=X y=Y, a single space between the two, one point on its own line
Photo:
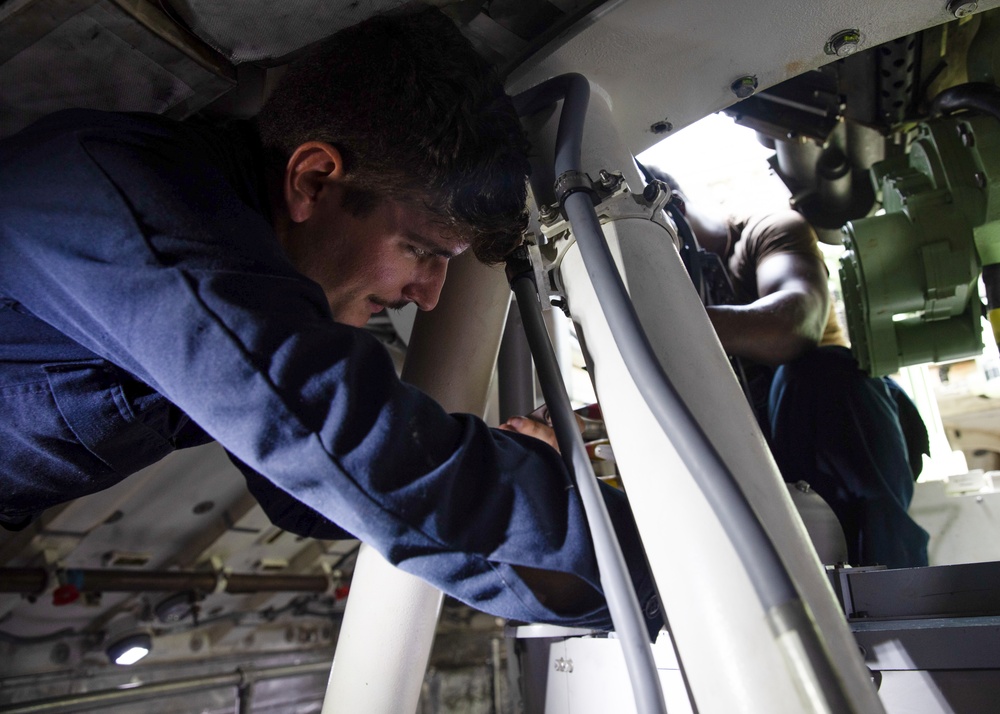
x=962 y=8
x=744 y=86
x=843 y=43
x=980 y=179
x=661 y=127
x=966 y=136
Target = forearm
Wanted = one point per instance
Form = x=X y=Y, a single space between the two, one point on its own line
x=772 y=330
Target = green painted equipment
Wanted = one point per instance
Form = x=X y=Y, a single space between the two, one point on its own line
x=910 y=276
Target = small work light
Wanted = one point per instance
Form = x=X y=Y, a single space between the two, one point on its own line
x=130 y=649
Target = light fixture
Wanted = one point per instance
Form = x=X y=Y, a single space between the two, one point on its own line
x=130 y=649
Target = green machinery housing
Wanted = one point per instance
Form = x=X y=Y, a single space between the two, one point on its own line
x=910 y=276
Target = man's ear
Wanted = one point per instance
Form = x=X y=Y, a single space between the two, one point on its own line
x=310 y=170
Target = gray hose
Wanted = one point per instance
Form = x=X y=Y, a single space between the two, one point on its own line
x=760 y=558
x=755 y=549
x=769 y=577
x=626 y=614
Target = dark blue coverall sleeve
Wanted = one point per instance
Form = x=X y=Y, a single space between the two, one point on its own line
x=140 y=251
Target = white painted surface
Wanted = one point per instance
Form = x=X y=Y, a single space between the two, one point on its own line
x=733 y=662
x=388 y=629
x=676 y=60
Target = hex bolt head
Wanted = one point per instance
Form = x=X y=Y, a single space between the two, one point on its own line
x=744 y=86
x=962 y=8
x=966 y=136
x=980 y=179
x=844 y=43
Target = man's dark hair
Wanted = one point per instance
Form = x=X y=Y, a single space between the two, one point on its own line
x=418 y=116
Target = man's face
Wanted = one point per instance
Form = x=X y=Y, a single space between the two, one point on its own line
x=394 y=255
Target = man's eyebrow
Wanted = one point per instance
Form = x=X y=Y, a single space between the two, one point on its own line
x=434 y=247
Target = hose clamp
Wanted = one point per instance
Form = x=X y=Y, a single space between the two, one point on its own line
x=572 y=181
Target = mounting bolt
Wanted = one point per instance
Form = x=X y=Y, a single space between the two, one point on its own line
x=980 y=179
x=607 y=180
x=744 y=86
x=547 y=213
x=966 y=136
x=961 y=8
x=843 y=44
x=661 y=127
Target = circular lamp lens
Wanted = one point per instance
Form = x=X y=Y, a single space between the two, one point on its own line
x=130 y=649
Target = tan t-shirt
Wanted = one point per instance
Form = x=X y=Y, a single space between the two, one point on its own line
x=754 y=238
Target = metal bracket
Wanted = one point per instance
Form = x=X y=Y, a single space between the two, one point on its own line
x=618 y=202
x=570 y=182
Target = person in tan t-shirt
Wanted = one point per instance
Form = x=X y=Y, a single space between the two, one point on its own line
x=828 y=423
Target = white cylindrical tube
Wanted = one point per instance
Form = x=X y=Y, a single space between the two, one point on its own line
x=388 y=630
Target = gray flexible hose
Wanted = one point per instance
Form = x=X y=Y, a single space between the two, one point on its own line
x=626 y=614
x=767 y=573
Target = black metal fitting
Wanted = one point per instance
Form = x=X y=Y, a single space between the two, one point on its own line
x=519 y=265
x=652 y=191
x=560 y=303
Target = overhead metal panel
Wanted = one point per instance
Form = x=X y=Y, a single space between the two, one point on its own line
x=57 y=54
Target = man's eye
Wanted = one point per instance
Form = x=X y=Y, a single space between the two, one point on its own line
x=419 y=252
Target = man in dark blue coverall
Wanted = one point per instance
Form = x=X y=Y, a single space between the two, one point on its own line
x=166 y=284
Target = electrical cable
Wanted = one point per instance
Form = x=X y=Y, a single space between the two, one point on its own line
x=622 y=602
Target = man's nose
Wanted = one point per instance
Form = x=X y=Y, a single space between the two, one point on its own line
x=425 y=288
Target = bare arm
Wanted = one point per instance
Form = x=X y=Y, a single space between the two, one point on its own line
x=788 y=318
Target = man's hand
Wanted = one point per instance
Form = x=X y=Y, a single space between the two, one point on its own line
x=532 y=428
x=561 y=592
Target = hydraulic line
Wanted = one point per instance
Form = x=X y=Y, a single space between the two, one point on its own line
x=784 y=608
x=626 y=614
x=979 y=96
